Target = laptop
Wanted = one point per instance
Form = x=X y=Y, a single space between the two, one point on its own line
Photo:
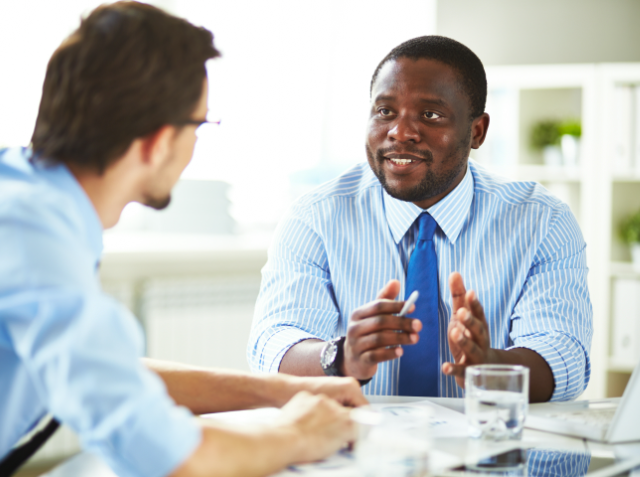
x=612 y=420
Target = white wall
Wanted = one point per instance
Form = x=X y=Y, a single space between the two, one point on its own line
x=508 y=32
x=30 y=31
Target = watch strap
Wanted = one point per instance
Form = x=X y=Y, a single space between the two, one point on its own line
x=334 y=368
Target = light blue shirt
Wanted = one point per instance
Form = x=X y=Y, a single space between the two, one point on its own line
x=516 y=245
x=65 y=347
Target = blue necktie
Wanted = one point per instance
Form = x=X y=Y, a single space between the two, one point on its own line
x=419 y=365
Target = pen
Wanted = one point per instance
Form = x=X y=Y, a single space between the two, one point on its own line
x=407 y=304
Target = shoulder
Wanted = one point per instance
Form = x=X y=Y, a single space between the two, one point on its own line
x=27 y=198
x=525 y=204
x=510 y=193
x=39 y=225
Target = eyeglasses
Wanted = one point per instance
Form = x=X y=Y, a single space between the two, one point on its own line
x=202 y=125
x=197 y=122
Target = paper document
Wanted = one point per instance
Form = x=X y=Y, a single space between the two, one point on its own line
x=433 y=420
x=442 y=421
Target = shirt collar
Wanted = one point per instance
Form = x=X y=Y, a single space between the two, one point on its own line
x=450 y=213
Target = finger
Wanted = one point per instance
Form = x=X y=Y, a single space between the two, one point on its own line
x=390 y=291
x=472 y=352
x=384 y=339
x=382 y=354
x=451 y=369
x=380 y=323
x=474 y=328
x=354 y=396
x=456 y=285
x=452 y=338
x=346 y=391
x=375 y=308
x=475 y=306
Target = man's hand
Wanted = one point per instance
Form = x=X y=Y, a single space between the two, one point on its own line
x=310 y=427
x=468 y=331
x=322 y=426
x=375 y=333
x=344 y=390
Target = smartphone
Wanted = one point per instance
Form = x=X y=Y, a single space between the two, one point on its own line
x=512 y=463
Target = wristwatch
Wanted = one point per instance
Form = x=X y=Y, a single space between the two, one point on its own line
x=332 y=357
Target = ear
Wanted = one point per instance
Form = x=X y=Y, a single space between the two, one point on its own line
x=479 y=128
x=157 y=146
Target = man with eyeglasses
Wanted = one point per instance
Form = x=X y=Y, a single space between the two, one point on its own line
x=121 y=101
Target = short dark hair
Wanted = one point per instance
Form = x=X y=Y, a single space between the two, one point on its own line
x=473 y=78
x=128 y=70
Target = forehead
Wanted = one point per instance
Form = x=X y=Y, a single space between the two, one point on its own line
x=422 y=78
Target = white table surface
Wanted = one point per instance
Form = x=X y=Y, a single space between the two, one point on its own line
x=85 y=464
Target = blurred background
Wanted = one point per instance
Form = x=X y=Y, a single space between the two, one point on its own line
x=291 y=91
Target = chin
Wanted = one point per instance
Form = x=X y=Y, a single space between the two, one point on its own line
x=158 y=203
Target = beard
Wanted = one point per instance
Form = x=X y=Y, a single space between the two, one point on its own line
x=432 y=184
x=157 y=203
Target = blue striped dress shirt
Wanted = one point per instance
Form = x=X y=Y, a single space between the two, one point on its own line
x=515 y=244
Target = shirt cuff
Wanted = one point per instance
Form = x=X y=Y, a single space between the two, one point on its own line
x=152 y=441
x=281 y=342
x=557 y=363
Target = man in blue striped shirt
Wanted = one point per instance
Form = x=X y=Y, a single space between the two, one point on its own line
x=340 y=257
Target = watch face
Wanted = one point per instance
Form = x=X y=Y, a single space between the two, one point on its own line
x=329 y=355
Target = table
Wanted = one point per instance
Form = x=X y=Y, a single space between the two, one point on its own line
x=580 y=454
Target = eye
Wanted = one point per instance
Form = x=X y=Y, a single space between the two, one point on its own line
x=431 y=115
x=384 y=112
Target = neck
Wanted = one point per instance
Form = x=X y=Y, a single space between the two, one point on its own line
x=425 y=204
x=111 y=191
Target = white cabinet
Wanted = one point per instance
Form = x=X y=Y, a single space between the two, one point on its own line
x=601 y=189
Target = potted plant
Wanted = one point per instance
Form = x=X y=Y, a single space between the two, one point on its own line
x=630 y=233
x=545 y=137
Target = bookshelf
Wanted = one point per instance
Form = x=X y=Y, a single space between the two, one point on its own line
x=601 y=188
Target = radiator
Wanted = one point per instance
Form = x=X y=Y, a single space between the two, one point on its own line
x=204 y=322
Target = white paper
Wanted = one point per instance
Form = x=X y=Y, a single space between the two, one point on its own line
x=443 y=422
x=344 y=464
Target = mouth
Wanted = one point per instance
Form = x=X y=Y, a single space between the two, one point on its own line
x=402 y=159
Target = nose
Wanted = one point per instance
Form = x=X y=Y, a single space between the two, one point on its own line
x=404 y=130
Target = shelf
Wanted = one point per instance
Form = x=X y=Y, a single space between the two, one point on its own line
x=540 y=76
x=623 y=270
x=135 y=256
x=632 y=176
x=620 y=366
x=599 y=194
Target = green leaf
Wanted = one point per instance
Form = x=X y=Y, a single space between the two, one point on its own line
x=630 y=229
x=545 y=133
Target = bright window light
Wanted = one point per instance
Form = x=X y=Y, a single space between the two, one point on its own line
x=292 y=87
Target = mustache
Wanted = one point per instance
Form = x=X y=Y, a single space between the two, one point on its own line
x=426 y=155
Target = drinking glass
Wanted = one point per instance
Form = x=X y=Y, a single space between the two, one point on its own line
x=393 y=441
x=496 y=400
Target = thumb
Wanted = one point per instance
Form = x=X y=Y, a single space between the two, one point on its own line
x=390 y=290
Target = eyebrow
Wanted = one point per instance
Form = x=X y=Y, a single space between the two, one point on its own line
x=435 y=101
